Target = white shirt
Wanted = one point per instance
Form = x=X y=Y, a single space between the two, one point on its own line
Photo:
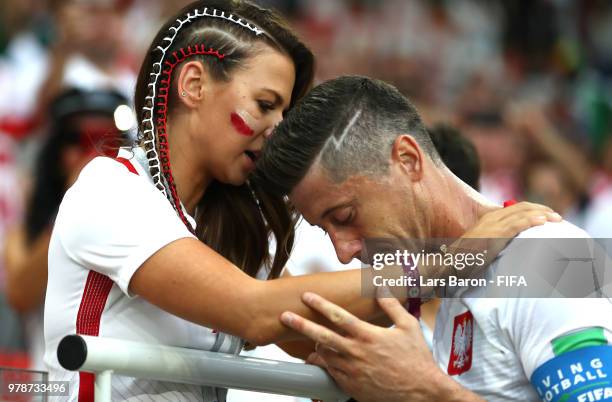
x=110 y=221
x=506 y=340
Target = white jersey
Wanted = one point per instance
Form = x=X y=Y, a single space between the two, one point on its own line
x=493 y=346
x=109 y=222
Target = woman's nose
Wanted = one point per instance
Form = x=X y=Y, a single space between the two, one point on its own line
x=270 y=130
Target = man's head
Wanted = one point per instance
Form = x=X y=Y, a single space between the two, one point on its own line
x=356 y=160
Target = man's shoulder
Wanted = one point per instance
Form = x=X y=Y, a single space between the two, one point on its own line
x=554 y=230
x=542 y=240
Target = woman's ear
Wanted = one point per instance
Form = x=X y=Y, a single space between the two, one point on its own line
x=191 y=82
x=407 y=155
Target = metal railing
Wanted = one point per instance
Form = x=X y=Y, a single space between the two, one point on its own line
x=107 y=356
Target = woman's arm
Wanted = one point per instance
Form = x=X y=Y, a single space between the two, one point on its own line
x=300 y=349
x=190 y=280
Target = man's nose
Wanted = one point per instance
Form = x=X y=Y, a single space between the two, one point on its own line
x=346 y=249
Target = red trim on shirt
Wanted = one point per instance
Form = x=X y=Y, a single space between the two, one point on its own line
x=127 y=164
x=97 y=289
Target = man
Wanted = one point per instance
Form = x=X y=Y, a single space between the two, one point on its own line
x=355 y=159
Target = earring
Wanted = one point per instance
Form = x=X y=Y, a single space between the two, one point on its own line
x=183 y=93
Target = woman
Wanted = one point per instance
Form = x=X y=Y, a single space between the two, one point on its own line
x=124 y=260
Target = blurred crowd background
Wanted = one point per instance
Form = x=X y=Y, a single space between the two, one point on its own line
x=529 y=82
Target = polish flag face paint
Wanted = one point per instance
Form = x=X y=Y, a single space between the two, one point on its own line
x=241 y=125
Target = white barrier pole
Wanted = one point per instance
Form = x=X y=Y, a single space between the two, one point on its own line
x=192 y=366
x=102 y=388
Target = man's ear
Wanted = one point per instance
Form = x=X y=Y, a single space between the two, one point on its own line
x=191 y=83
x=406 y=154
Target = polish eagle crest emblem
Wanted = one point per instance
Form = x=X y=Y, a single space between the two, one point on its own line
x=460 y=359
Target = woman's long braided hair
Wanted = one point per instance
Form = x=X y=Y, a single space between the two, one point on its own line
x=236 y=221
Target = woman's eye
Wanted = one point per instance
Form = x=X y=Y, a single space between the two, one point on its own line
x=265 y=106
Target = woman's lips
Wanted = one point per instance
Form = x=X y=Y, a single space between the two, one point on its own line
x=240 y=125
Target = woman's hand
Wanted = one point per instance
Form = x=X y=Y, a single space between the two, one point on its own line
x=510 y=221
x=495 y=229
x=486 y=239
